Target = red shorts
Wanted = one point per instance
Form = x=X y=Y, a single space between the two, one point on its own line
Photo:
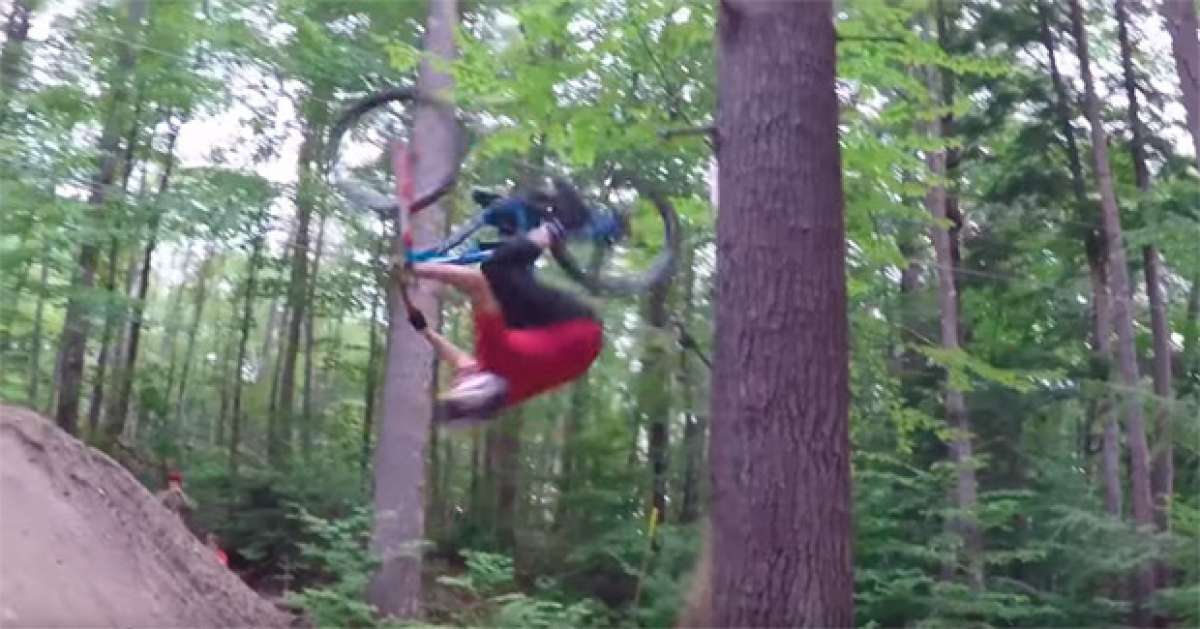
x=535 y=360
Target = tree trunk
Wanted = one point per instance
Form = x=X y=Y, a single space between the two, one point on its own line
x=407 y=407
x=307 y=428
x=780 y=452
x=1118 y=272
x=227 y=346
x=693 y=428
x=121 y=345
x=941 y=205
x=173 y=323
x=73 y=341
x=12 y=54
x=121 y=410
x=504 y=445
x=264 y=355
x=279 y=444
x=1180 y=19
x=199 y=298
x=35 y=350
x=1163 y=469
x=235 y=422
x=1101 y=320
x=1191 y=340
x=654 y=394
x=1102 y=332
x=110 y=285
x=372 y=377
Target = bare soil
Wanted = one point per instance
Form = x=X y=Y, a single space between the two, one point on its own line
x=84 y=544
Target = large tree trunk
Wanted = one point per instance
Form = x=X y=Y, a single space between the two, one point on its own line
x=73 y=341
x=1180 y=19
x=116 y=425
x=307 y=428
x=407 y=404
x=1163 y=468
x=780 y=451
x=1122 y=309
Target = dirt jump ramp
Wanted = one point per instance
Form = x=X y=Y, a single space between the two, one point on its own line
x=84 y=544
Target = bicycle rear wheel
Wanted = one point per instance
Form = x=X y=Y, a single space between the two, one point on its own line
x=366 y=195
x=615 y=271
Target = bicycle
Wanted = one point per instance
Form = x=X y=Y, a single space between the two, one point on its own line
x=508 y=216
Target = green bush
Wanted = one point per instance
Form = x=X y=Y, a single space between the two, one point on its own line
x=342 y=564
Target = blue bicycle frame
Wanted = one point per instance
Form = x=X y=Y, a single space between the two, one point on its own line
x=510 y=217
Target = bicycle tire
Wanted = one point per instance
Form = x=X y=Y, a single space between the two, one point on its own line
x=363 y=194
x=660 y=270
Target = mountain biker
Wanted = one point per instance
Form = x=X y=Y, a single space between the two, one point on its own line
x=529 y=337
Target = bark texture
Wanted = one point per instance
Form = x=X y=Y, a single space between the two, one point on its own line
x=1180 y=19
x=780 y=435
x=1122 y=310
x=407 y=405
x=1101 y=320
x=1162 y=467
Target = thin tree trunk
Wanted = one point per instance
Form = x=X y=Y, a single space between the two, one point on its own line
x=654 y=394
x=73 y=341
x=693 y=427
x=235 y=431
x=1118 y=272
x=1102 y=352
x=371 y=378
x=121 y=410
x=110 y=285
x=174 y=322
x=279 y=444
x=505 y=445
x=957 y=417
x=264 y=356
x=407 y=407
x=35 y=350
x=1101 y=409
x=124 y=323
x=307 y=428
x=1191 y=340
x=198 y=301
x=1163 y=469
x=224 y=377
x=780 y=451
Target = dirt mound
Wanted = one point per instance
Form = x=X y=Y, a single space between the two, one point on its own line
x=83 y=544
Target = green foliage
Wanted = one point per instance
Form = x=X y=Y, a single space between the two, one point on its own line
x=342 y=566
x=489 y=579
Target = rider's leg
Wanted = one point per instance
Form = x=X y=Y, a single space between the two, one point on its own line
x=466 y=279
x=462 y=361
